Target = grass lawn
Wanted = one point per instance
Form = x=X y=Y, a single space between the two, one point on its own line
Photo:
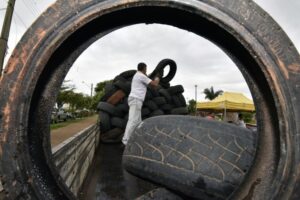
x=66 y=123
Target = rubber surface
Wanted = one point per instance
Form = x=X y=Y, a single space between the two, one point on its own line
x=159 y=194
x=201 y=158
x=118 y=122
x=179 y=111
x=105 y=124
x=112 y=136
x=34 y=73
x=110 y=109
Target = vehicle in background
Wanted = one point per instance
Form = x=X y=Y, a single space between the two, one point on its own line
x=54 y=117
x=62 y=115
x=70 y=115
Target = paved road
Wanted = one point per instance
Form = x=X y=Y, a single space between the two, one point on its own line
x=61 y=134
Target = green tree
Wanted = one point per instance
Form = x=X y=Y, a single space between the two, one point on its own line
x=101 y=86
x=248 y=117
x=65 y=94
x=99 y=93
x=192 y=106
x=211 y=94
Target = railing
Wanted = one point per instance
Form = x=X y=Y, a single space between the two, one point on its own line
x=74 y=156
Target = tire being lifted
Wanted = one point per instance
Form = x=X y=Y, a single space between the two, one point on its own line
x=31 y=81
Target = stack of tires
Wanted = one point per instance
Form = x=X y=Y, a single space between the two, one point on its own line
x=163 y=100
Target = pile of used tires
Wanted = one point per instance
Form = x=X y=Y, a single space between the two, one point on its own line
x=163 y=100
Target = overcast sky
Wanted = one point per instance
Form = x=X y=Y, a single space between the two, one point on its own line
x=199 y=62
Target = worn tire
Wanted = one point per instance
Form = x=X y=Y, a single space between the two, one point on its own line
x=110 y=109
x=165 y=94
x=157 y=112
x=33 y=75
x=167 y=107
x=179 y=100
x=159 y=194
x=160 y=67
x=182 y=100
x=177 y=89
x=151 y=105
x=123 y=107
x=176 y=101
x=128 y=75
x=118 y=122
x=112 y=136
x=145 y=112
x=116 y=97
x=109 y=90
x=191 y=155
x=180 y=111
x=124 y=86
x=105 y=124
x=153 y=91
x=148 y=96
x=160 y=100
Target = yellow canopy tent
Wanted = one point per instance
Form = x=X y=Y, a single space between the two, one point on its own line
x=229 y=101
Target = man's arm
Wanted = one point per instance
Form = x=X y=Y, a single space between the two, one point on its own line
x=155 y=82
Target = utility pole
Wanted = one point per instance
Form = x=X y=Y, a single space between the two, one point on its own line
x=5 y=32
x=91 y=89
x=196 y=98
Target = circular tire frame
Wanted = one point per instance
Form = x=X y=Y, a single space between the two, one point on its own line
x=251 y=38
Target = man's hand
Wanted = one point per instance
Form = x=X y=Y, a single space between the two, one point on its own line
x=155 y=82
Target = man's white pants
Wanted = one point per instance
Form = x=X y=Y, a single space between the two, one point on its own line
x=134 y=117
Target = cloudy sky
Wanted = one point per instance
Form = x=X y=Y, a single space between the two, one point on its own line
x=199 y=62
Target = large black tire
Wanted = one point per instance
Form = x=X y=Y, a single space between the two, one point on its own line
x=180 y=111
x=124 y=86
x=118 y=122
x=157 y=112
x=109 y=90
x=165 y=94
x=105 y=124
x=160 y=100
x=123 y=107
x=112 y=136
x=159 y=194
x=160 y=67
x=167 y=107
x=151 y=105
x=153 y=91
x=179 y=100
x=128 y=75
x=176 y=101
x=39 y=63
x=177 y=89
x=110 y=109
x=182 y=100
x=145 y=112
x=119 y=78
x=148 y=96
x=191 y=155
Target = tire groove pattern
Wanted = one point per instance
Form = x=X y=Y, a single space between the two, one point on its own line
x=191 y=149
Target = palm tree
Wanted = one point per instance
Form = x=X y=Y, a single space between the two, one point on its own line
x=210 y=94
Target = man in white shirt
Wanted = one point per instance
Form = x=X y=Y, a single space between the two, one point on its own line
x=240 y=122
x=136 y=98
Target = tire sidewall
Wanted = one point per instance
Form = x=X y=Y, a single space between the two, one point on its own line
x=15 y=103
